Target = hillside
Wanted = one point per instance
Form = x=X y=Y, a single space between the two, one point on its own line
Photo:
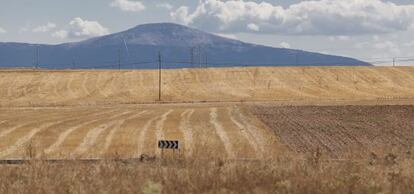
x=60 y=88
x=179 y=45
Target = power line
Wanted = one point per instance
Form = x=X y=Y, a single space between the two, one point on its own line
x=119 y=59
x=192 y=56
x=159 y=76
x=37 y=58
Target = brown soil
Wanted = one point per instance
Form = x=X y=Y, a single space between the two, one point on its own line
x=341 y=130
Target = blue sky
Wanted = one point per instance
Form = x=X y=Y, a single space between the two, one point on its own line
x=364 y=29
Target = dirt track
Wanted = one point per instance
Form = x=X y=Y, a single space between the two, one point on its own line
x=341 y=130
x=61 y=88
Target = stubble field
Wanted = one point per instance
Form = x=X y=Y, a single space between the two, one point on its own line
x=131 y=131
x=241 y=130
x=26 y=88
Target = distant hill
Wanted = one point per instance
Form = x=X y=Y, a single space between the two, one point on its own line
x=180 y=47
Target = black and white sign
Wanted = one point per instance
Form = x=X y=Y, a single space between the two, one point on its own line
x=166 y=144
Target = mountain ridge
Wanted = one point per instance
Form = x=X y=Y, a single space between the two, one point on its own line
x=181 y=47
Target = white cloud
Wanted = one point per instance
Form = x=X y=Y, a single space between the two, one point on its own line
x=284 y=45
x=230 y=36
x=253 y=27
x=182 y=15
x=45 y=28
x=339 y=38
x=409 y=44
x=79 y=28
x=165 y=6
x=62 y=34
x=389 y=47
x=2 y=31
x=23 y=29
x=314 y=17
x=380 y=49
x=128 y=5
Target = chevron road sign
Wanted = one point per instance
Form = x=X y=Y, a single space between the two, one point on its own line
x=166 y=144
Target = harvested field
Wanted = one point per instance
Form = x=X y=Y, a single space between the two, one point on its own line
x=341 y=131
x=101 y=87
x=130 y=131
x=248 y=139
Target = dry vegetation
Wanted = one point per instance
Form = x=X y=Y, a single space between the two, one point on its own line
x=226 y=147
x=60 y=88
x=283 y=174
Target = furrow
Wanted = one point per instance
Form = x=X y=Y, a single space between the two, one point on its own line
x=108 y=140
x=142 y=134
x=10 y=130
x=91 y=137
x=252 y=130
x=159 y=129
x=221 y=133
x=63 y=136
x=25 y=139
x=245 y=132
x=186 y=129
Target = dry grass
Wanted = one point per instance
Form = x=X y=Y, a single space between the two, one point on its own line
x=282 y=174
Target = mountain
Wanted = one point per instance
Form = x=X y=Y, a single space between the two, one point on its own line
x=179 y=46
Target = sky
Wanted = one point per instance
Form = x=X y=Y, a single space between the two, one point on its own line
x=371 y=30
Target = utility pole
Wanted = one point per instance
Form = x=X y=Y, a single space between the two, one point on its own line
x=199 y=56
x=37 y=58
x=205 y=57
x=206 y=61
x=73 y=63
x=119 y=59
x=297 y=59
x=159 y=76
x=192 y=56
x=393 y=62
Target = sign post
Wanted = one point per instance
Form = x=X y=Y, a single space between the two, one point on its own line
x=168 y=144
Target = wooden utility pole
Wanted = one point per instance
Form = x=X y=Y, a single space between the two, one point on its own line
x=159 y=76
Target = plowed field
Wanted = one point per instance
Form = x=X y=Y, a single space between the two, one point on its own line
x=341 y=131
